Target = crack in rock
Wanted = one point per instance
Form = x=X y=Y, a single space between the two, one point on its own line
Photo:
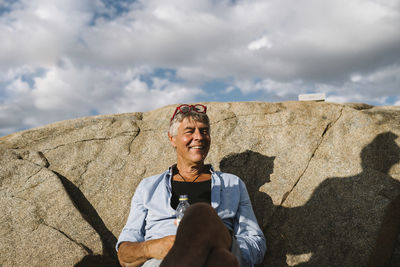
x=88 y=140
x=29 y=177
x=328 y=126
x=133 y=139
x=225 y=119
x=235 y=116
x=42 y=156
x=76 y=142
x=88 y=250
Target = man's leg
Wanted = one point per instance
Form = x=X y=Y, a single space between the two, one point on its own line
x=201 y=240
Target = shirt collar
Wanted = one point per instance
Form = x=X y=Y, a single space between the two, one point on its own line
x=215 y=184
x=171 y=169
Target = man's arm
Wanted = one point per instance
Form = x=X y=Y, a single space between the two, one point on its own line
x=132 y=254
x=132 y=248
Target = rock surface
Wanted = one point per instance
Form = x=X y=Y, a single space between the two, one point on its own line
x=320 y=175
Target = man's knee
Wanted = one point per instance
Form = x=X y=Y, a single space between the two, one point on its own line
x=202 y=223
x=220 y=257
x=200 y=209
x=201 y=216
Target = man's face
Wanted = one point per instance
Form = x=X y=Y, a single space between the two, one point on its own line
x=192 y=141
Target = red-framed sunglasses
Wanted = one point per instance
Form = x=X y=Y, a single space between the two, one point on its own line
x=199 y=108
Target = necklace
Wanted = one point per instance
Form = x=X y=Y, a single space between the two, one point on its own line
x=187 y=181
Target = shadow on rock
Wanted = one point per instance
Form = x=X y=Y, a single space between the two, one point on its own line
x=255 y=170
x=89 y=213
x=339 y=224
x=97 y=261
x=386 y=252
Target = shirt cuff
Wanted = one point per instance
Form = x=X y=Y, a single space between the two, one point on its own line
x=129 y=236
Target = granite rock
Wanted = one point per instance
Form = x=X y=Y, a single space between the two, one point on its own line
x=321 y=177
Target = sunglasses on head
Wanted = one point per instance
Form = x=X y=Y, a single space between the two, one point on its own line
x=199 y=108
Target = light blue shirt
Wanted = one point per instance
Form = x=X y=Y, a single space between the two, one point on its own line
x=152 y=217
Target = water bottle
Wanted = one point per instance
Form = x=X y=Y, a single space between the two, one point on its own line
x=181 y=208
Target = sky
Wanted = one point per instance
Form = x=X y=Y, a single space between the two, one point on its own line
x=64 y=59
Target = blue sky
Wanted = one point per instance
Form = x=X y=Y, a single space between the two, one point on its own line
x=63 y=59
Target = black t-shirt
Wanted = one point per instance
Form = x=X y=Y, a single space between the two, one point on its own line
x=197 y=192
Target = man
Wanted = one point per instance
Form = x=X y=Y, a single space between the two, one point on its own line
x=218 y=229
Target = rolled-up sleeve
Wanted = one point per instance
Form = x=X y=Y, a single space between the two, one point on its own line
x=249 y=236
x=133 y=230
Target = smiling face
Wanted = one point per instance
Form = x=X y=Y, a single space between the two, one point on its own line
x=192 y=142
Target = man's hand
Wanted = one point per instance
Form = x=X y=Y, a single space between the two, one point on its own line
x=159 y=248
x=136 y=253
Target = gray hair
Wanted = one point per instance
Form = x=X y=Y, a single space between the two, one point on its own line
x=179 y=117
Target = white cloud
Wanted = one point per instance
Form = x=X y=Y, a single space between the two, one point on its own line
x=38 y=32
x=137 y=95
x=260 y=43
x=66 y=58
x=68 y=91
x=375 y=88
